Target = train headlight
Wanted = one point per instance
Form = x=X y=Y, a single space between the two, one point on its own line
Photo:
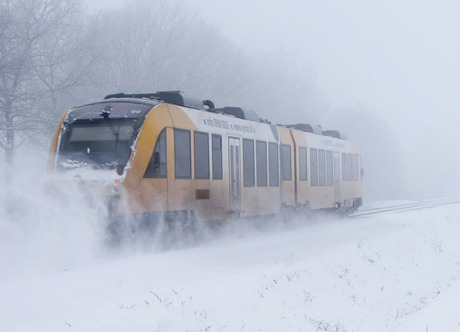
x=116 y=186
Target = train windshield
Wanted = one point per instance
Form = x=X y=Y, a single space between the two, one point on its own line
x=101 y=144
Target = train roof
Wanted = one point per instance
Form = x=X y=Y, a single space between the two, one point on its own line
x=180 y=99
x=123 y=109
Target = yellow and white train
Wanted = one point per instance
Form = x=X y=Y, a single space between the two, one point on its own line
x=165 y=153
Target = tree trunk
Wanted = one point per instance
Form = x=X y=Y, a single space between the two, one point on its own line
x=9 y=144
x=9 y=150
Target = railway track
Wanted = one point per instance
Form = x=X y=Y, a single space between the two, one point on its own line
x=405 y=207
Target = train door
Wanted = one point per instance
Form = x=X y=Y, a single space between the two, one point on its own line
x=337 y=195
x=235 y=174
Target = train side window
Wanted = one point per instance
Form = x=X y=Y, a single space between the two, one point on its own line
x=157 y=167
x=355 y=168
x=273 y=164
x=344 y=166
x=314 y=167
x=216 y=157
x=248 y=163
x=201 y=145
x=329 y=168
x=303 y=164
x=322 y=167
x=349 y=167
x=261 y=163
x=286 y=162
x=182 y=154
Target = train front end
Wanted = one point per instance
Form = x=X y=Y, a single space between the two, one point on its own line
x=93 y=147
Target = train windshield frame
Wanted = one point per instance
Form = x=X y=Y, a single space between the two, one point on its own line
x=94 y=140
x=98 y=145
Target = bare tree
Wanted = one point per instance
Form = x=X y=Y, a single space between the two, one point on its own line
x=54 y=55
x=160 y=44
x=44 y=55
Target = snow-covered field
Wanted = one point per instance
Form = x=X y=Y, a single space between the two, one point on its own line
x=394 y=272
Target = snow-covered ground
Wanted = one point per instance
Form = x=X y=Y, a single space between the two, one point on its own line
x=397 y=272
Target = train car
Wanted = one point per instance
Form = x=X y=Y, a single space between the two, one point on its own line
x=166 y=154
x=329 y=172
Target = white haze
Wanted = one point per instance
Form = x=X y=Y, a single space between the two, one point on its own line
x=384 y=72
x=397 y=62
x=45 y=226
x=50 y=224
x=397 y=272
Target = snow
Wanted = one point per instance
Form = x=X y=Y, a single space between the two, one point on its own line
x=439 y=315
x=88 y=174
x=393 y=272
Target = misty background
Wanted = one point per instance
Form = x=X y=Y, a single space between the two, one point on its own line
x=384 y=73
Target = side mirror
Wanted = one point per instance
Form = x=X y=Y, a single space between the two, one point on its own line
x=362 y=172
x=120 y=169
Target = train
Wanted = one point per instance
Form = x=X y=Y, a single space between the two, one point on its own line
x=168 y=155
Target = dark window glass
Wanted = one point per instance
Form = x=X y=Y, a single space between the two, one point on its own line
x=344 y=166
x=314 y=167
x=248 y=163
x=355 y=168
x=97 y=144
x=216 y=157
x=322 y=167
x=261 y=156
x=182 y=154
x=329 y=168
x=349 y=167
x=303 y=164
x=273 y=164
x=286 y=162
x=157 y=166
x=201 y=144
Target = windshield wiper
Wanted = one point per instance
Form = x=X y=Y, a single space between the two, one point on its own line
x=106 y=115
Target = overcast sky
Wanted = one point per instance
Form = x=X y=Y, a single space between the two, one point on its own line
x=397 y=59
x=391 y=56
x=401 y=58
x=386 y=55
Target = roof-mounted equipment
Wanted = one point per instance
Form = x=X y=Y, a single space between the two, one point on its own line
x=238 y=112
x=307 y=128
x=334 y=133
x=210 y=105
x=171 y=97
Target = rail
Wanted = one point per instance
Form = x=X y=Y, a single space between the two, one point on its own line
x=405 y=207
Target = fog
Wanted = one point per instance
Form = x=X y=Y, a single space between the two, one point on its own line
x=385 y=73
x=46 y=226
x=397 y=63
x=50 y=225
